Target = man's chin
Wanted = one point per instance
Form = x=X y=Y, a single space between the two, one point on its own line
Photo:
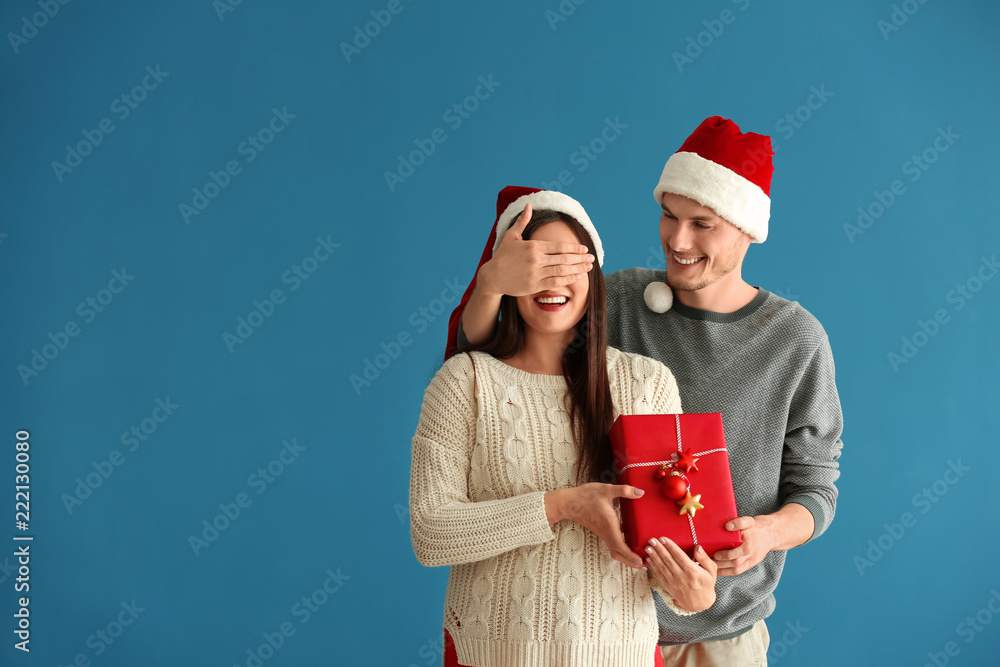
x=684 y=285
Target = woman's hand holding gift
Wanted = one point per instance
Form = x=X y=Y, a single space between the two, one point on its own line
x=592 y=506
x=690 y=582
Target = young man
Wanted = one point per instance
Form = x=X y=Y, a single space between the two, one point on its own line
x=762 y=361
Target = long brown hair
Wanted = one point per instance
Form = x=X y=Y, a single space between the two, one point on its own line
x=584 y=362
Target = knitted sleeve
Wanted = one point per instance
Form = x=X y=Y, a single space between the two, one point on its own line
x=647 y=387
x=667 y=399
x=446 y=526
x=809 y=464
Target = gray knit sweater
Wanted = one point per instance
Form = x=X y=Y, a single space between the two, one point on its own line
x=768 y=369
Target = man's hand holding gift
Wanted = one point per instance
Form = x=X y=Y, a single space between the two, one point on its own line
x=789 y=527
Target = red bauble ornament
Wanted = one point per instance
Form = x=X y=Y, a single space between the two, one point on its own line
x=675 y=486
x=660 y=473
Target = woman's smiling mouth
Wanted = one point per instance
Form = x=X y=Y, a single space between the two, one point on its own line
x=552 y=303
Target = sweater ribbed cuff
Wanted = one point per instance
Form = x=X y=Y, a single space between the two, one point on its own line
x=669 y=600
x=819 y=517
x=469 y=532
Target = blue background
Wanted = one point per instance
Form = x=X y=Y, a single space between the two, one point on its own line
x=405 y=251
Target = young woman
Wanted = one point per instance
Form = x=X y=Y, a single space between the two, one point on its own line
x=511 y=441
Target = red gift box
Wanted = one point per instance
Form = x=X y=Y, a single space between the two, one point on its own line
x=642 y=445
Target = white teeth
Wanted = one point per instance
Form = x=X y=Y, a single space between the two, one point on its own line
x=686 y=261
x=553 y=300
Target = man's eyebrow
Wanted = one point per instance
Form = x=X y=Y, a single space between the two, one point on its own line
x=697 y=218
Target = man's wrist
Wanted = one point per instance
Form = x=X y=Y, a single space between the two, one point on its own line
x=771 y=527
x=484 y=282
x=787 y=528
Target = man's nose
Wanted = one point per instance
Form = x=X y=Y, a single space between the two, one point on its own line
x=681 y=237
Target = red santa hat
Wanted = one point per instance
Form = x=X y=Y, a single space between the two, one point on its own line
x=510 y=202
x=726 y=170
x=513 y=199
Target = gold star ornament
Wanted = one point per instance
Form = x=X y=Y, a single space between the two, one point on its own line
x=689 y=504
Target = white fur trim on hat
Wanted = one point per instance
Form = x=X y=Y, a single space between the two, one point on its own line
x=659 y=297
x=556 y=201
x=732 y=197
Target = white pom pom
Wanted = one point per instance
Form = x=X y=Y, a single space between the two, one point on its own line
x=659 y=297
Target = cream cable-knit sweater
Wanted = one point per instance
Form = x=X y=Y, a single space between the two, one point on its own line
x=521 y=592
